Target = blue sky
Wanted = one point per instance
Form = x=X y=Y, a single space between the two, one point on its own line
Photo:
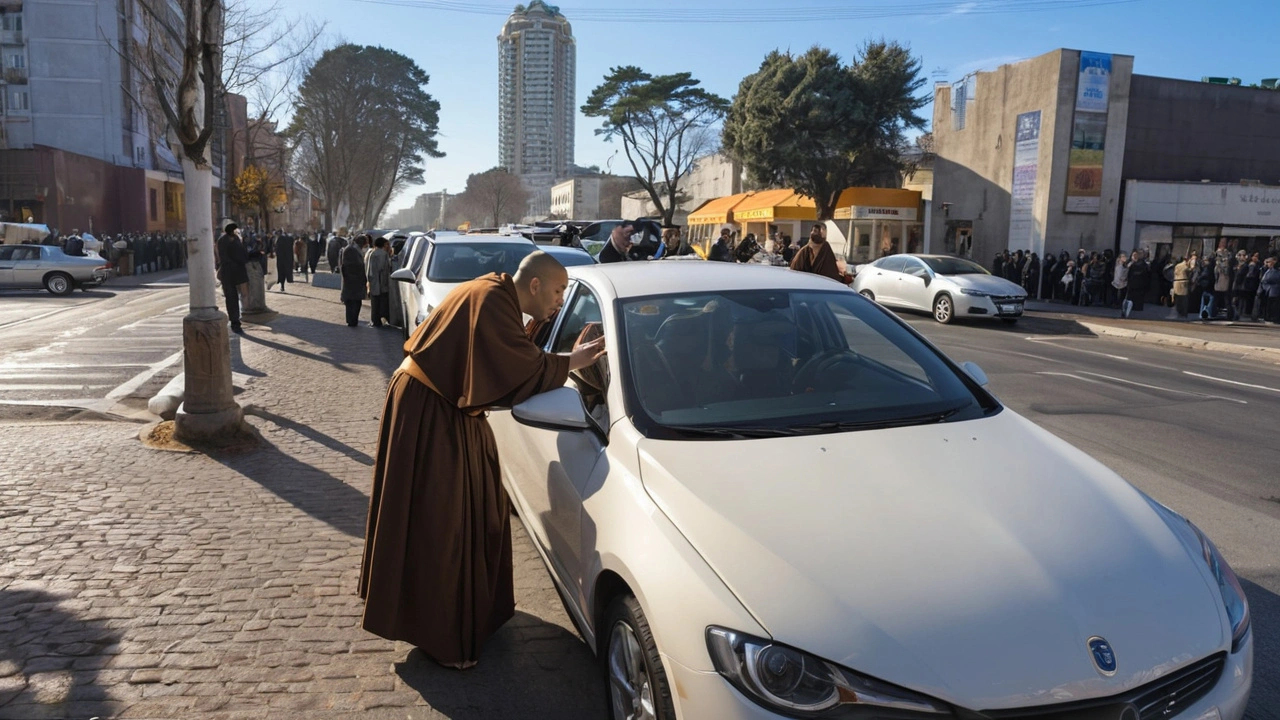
x=1174 y=38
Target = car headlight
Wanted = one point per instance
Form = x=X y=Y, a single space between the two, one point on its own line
x=1233 y=599
x=787 y=681
x=974 y=293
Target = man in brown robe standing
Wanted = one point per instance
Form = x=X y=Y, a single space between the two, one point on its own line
x=437 y=569
x=817 y=257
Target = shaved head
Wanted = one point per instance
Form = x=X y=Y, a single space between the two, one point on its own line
x=540 y=284
x=539 y=264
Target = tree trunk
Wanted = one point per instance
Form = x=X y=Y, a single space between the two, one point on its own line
x=209 y=410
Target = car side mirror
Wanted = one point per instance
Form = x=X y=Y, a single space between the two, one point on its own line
x=559 y=409
x=975 y=372
x=404 y=275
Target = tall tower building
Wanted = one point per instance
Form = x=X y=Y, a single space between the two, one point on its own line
x=537 y=60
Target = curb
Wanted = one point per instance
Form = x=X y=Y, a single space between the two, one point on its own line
x=1262 y=353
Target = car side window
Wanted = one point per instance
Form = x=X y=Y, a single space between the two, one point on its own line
x=26 y=253
x=916 y=268
x=6 y=253
x=582 y=321
x=893 y=264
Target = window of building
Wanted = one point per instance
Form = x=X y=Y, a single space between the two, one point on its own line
x=151 y=197
x=11 y=21
x=17 y=61
x=20 y=100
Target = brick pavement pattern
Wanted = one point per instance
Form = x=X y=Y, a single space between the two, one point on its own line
x=144 y=584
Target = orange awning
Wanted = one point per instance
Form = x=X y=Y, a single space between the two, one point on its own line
x=770 y=205
x=881 y=201
x=717 y=211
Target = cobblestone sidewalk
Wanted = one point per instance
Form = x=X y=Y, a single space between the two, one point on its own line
x=143 y=584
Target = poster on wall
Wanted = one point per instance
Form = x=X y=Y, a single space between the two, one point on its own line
x=1088 y=134
x=1026 y=168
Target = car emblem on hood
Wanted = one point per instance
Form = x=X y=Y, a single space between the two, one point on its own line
x=1103 y=656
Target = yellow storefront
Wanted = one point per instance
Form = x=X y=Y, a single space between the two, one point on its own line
x=705 y=222
x=790 y=213
x=880 y=221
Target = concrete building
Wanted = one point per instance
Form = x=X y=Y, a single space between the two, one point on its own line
x=79 y=146
x=1041 y=155
x=712 y=176
x=426 y=212
x=576 y=199
x=537 y=59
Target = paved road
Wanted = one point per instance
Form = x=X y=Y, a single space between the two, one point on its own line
x=1195 y=430
x=101 y=350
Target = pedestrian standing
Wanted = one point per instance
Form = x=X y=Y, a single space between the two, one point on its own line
x=354 y=280
x=332 y=252
x=1139 y=280
x=1181 y=289
x=720 y=248
x=1252 y=283
x=1269 y=287
x=1120 y=281
x=619 y=246
x=437 y=567
x=232 y=260
x=817 y=257
x=379 y=274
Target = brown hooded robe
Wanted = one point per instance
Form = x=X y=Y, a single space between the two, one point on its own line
x=437 y=568
x=817 y=258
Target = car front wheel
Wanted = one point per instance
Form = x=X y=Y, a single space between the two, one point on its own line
x=943 y=309
x=868 y=295
x=637 y=683
x=59 y=284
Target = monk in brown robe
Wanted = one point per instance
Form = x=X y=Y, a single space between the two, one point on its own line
x=817 y=257
x=437 y=568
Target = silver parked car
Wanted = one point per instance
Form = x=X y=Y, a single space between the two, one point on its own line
x=945 y=286
x=46 y=266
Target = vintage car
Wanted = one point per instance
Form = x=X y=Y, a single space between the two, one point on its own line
x=46 y=266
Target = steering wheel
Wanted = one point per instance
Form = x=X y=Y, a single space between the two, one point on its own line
x=822 y=363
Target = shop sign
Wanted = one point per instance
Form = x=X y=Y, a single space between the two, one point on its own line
x=886 y=213
x=1095 y=81
x=1088 y=135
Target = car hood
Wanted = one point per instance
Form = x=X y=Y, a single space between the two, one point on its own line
x=971 y=561
x=986 y=283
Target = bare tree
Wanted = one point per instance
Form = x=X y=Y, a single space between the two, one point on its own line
x=493 y=197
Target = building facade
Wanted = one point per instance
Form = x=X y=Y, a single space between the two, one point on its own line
x=80 y=146
x=712 y=176
x=1043 y=154
x=576 y=199
x=426 y=213
x=537 y=65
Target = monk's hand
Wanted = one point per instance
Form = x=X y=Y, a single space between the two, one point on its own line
x=585 y=354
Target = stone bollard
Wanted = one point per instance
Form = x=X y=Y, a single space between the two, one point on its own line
x=253 y=294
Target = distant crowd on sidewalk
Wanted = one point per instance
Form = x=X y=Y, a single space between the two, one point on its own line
x=1223 y=285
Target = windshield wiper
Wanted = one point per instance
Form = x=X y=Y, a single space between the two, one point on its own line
x=846 y=425
x=734 y=431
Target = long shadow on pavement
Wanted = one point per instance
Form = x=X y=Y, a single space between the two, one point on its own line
x=309 y=432
x=530 y=669
x=49 y=660
x=311 y=490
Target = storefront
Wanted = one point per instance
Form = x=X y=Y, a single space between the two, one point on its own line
x=1176 y=219
x=880 y=221
x=706 y=221
x=783 y=210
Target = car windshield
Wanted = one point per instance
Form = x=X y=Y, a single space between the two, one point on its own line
x=460 y=262
x=954 y=266
x=758 y=363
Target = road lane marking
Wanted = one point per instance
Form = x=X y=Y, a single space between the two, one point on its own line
x=1142 y=385
x=141 y=378
x=1035 y=339
x=1231 y=382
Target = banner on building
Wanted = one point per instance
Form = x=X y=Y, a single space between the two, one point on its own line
x=1089 y=134
x=1026 y=169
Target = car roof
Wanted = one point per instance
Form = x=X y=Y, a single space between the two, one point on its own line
x=480 y=237
x=655 y=277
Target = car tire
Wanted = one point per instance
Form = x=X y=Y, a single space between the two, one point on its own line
x=59 y=283
x=868 y=295
x=635 y=681
x=944 y=310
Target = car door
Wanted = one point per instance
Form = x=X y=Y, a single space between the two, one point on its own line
x=412 y=293
x=914 y=284
x=28 y=268
x=885 y=277
x=6 y=265
x=556 y=468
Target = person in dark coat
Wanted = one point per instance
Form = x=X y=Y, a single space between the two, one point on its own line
x=315 y=248
x=354 y=280
x=232 y=273
x=817 y=257
x=1139 y=280
x=619 y=245
x=333 y=251
x=284 y=260
x=720 y=248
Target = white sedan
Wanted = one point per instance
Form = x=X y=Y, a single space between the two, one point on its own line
x=772 y=498
x=945 y=286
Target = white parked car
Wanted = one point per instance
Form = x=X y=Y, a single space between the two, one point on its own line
x=437 y=265
x=772 y=498
x=947 y=287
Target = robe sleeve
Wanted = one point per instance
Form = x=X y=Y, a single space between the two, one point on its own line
x=507 y=368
